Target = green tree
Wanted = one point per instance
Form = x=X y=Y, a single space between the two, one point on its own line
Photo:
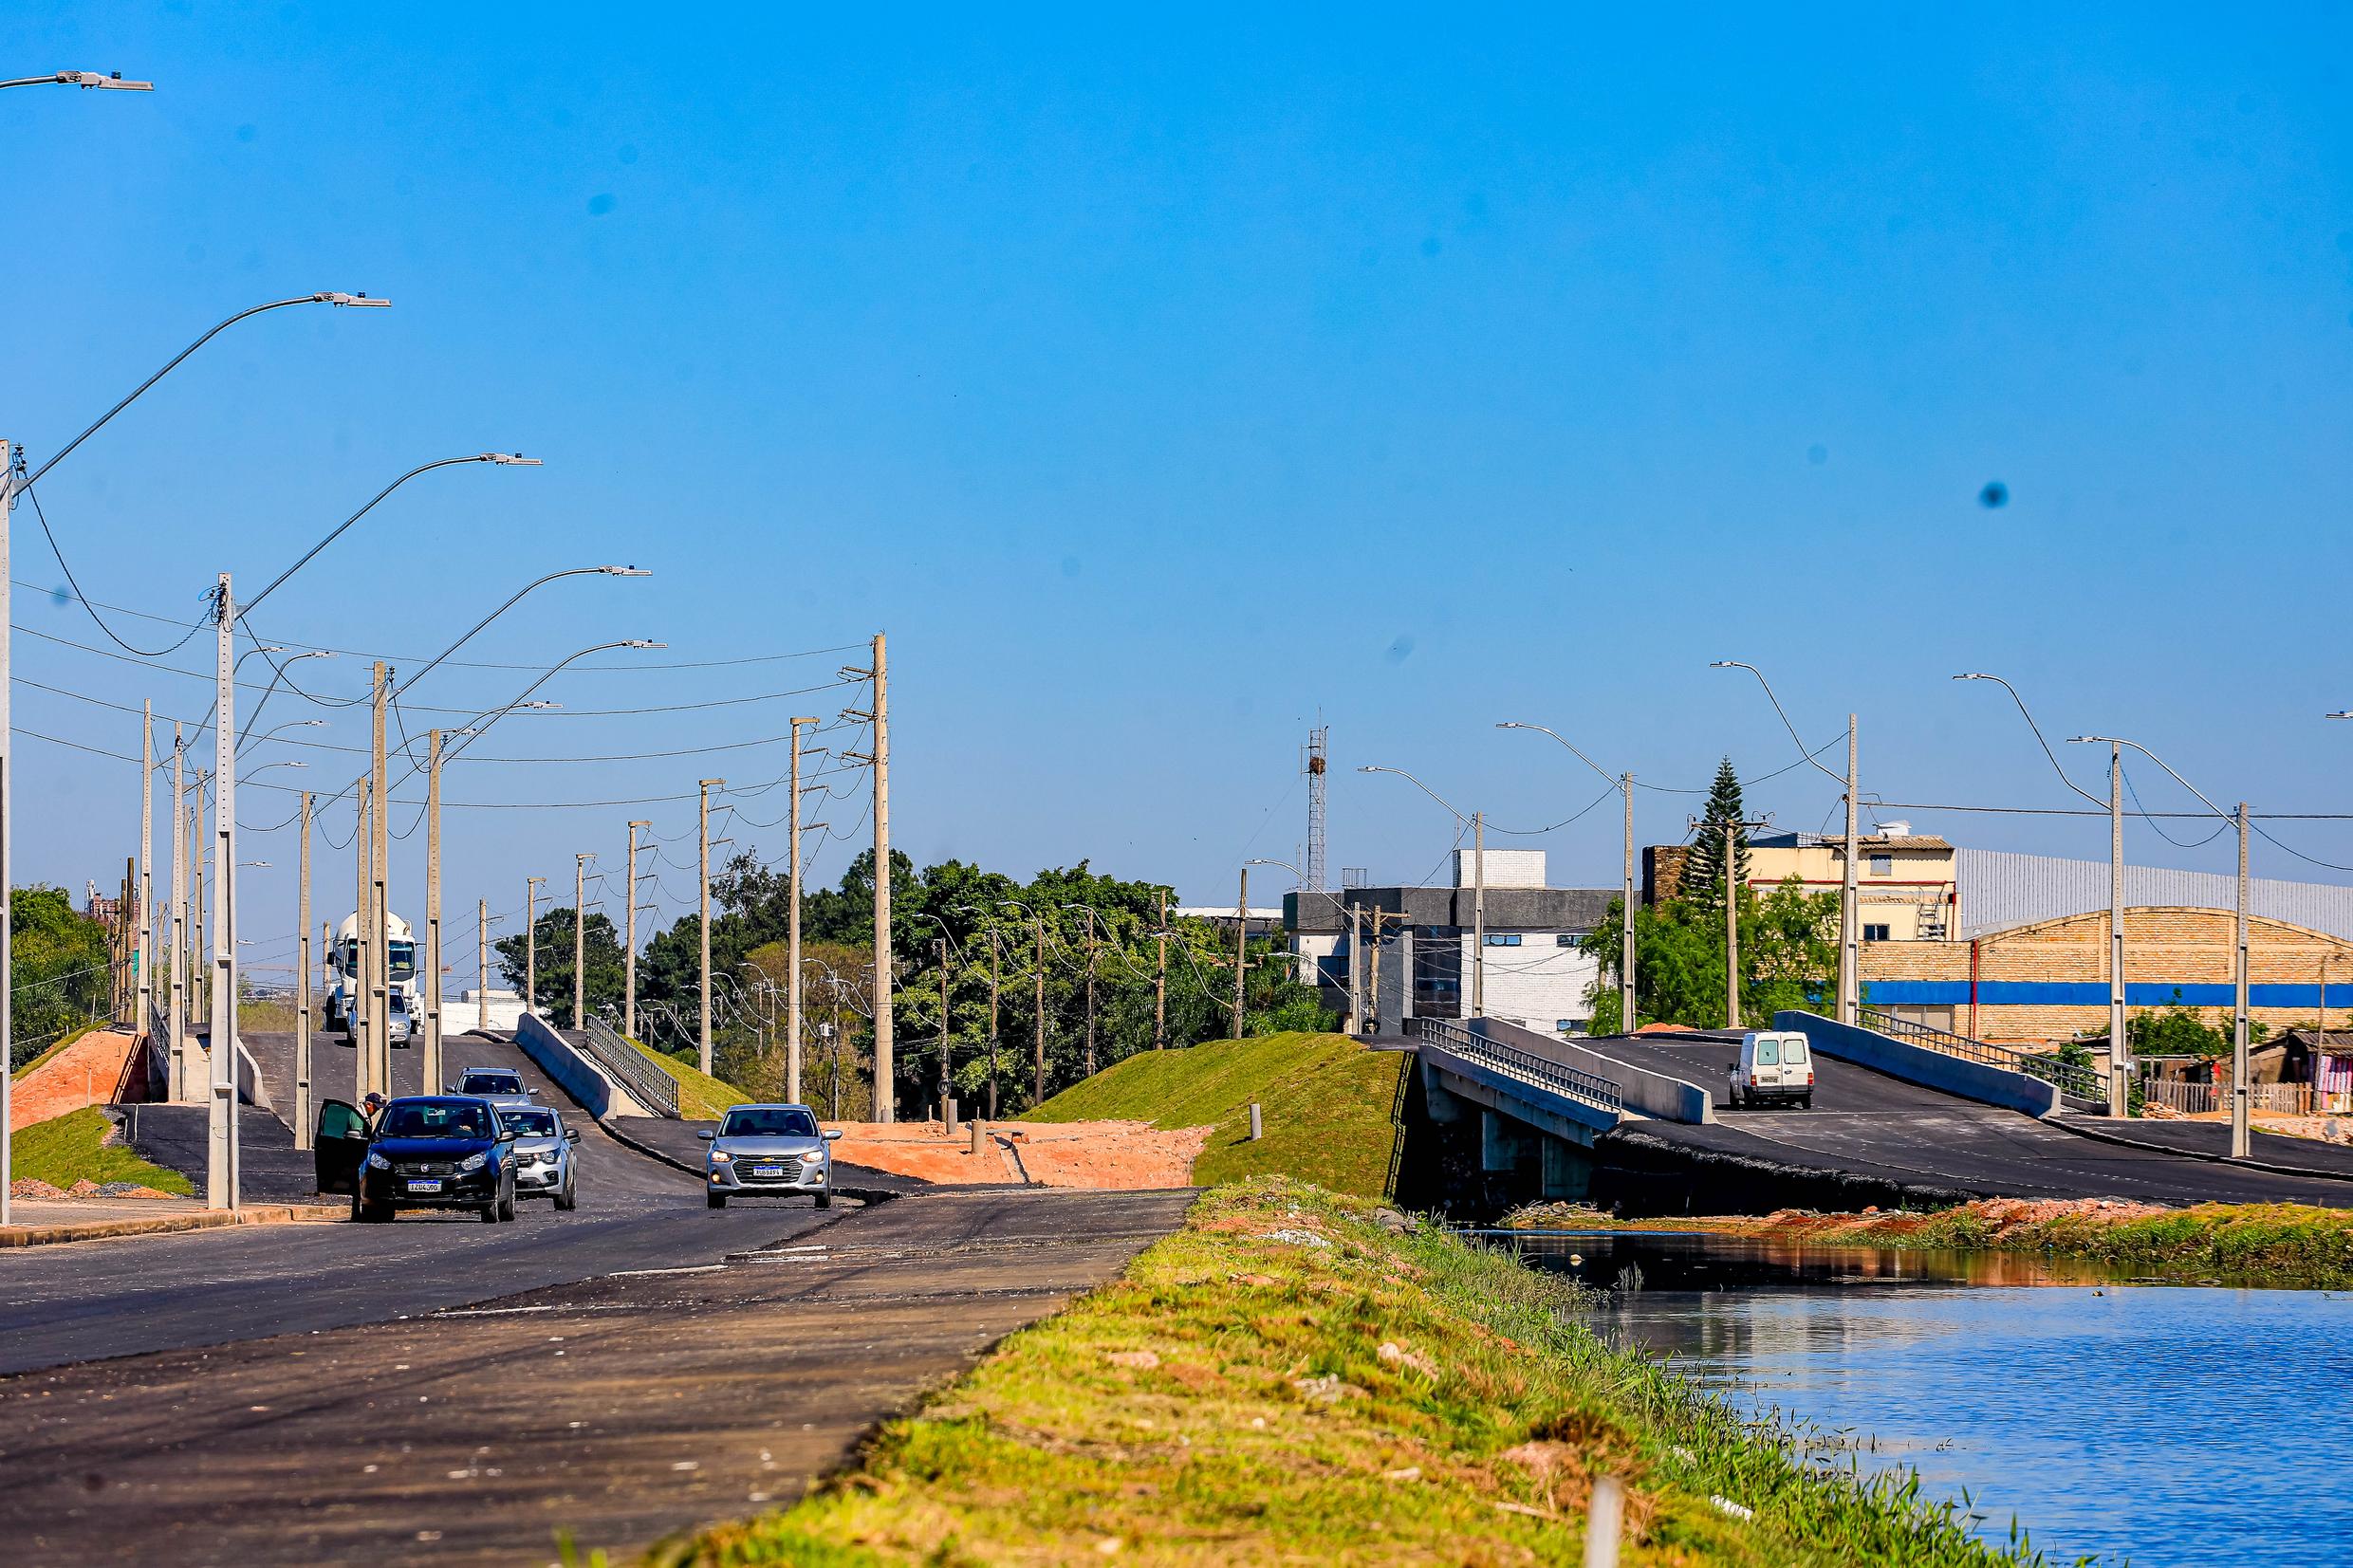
x=1789 y=958
x=58 y=969
x=554 y=959
x=1703 y=863
x=2180 y=1029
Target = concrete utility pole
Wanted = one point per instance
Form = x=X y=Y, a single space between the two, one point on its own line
x=301 y=988
x=531 y=942
x=220 y=1165
x=1850 y=913
x=380 y=870
x=181 y=1090
x=1037 y=1086
x=995 y=975
x=482 y=964
x=1241 y=948
x=947 y=1101
x=1159 y=985
x=2240 y=1139
x=1629 y=1012
x=1731 y=930
x=792 y=930
x=1356 y=969
x=703 y=894
x=629 y=958
x=1090 y=993
x=2120 y=1054
x=579 y=956
x=433 y=909
x=884 y=1066
x=363 y=959
x=1478 y=913
x=145 y=1023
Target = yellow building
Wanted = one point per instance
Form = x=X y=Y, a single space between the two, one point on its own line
x=1905 y=886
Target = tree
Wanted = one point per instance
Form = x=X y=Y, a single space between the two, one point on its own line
x=58 y=969
x=1703 y=863
x=2180 y=1029
x=606 y=976
x=1789 y=958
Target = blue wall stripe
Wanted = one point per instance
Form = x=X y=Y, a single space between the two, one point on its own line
x=2094 y=994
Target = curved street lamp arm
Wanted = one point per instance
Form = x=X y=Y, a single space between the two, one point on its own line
x=2038 y=734
x=1613 y=780
x=1803 y=749
x=2119 y=740
x=476 y=627
x=1369 y=767
x=323 y=297
x=246 y=608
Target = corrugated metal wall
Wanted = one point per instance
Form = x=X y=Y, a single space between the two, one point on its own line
x=2000 y=890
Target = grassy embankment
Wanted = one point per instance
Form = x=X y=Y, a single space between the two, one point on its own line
x=67 y=1148
x=53 y=1048
x=1286 y=1380
x=701 y=1098
x=1323 y=1101
x=2277 y=1243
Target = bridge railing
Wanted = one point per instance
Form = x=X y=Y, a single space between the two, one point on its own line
x=626 y=1065
x=2071 y=1078
x=1526 y=1067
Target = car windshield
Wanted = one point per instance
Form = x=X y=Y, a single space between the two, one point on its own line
x=769 y=1121
x=435 y=1118
x=492 y=1083
x=531 y=1124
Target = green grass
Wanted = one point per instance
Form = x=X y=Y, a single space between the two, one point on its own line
x=1325 y=1101
x=67 y=1149
x=701 y=1098
x=1284 y=1380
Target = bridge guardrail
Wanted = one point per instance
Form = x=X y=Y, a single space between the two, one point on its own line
x=2071 y=1078
x=1527 y=1067
x=647 y=1084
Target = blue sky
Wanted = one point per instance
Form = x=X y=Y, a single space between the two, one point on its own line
x=1161 y=386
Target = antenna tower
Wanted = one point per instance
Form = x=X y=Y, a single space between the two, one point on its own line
x=1312 y=763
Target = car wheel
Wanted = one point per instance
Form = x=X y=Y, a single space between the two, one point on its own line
x=507 y=1206
x=715 y=1200
x=568 y=1200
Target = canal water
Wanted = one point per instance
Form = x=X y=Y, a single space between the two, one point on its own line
x=2164 y=1424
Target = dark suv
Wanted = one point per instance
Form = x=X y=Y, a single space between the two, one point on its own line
x=423 y=1152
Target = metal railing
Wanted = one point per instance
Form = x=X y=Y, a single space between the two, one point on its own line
x=1525 y=1066
x=2076 y=1080
x=626 y=1065
x=2296 y=1099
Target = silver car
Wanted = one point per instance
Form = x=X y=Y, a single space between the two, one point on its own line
x=502 y=1086
x=543 y=1154
x=768 y=1148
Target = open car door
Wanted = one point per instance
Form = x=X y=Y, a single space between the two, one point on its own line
x=339 y=1145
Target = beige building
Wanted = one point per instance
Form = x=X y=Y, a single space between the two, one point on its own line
x=1905 y=886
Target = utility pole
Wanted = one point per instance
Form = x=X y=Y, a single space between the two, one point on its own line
x=579 y=956
x=1159 y=982
x=9 y=456
x=433 y=911
x=1037 y=1087
x=1241 y=948
x=1090 y=993
x=2119 y=1056
x=302 y=989
x=1478 y=913
x=629 y=959
x=947 y=1103
x=1851 y=930
x=380 y=874
x=1732 y=930
x=220 y=1165
x=792 y=930
x=482 y=964
x=884 y=1068
x=1356 y=969
x=1629 y=1013
x=531 y=942
x=702 y=893
x=363 y=948
x=2240 y=1139
x=177 y=961
x=146 y=1019
x=994 y=976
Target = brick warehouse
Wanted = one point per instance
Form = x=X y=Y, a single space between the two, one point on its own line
x=2048 y=980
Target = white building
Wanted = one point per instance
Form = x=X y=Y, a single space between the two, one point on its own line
x=1421 y=961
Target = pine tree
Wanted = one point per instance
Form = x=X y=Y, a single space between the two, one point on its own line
x=1703 y=867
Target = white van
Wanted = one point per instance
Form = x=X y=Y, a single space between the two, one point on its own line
x=1775 y=1068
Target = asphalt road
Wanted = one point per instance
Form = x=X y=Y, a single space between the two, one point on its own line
x=622 y=1407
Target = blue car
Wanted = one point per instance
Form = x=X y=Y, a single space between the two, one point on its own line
x=427 y=1152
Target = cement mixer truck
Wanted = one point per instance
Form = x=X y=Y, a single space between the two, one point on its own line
x=343 y=964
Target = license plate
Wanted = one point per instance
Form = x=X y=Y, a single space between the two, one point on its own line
x=768 y=1169
x=432 y=1186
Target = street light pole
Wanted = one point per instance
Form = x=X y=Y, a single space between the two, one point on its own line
x=221 y=1164
x=482 y=964
x=792 y=926
x=703 y=894
x=531 y=942
x=1628 y=1014
x=579 y=956
x=629 y=959
x=302 y=989
x=1241 y=948
x=178 y=961
x=433 y=908
x=146 y=1018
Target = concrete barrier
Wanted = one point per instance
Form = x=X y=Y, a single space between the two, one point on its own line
x=573 y=1072
x=1919 y=1064
x=1652 y=1094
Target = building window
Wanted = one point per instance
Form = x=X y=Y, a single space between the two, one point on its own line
x=1882 y=866
x=1569 y=938
x=1438 y=979
x=1503 y=939
x=1875 y=933
x=1564 y=1025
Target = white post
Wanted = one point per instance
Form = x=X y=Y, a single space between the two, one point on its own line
x=2240 y=1139
x=792 y=934
x=2119 y=1056
x=1478 y=913
x=178 y=960
x=1850 y=913
x=1629 y=1017
x=145 y=1024
x=433 y=913
x=301 y=990
x=7 y=870
x=220 y=1165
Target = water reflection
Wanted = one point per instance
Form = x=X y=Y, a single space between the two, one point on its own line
x=2183 y=1426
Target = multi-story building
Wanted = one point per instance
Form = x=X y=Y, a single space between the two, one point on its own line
x=1410 y=951
x=1907 y=889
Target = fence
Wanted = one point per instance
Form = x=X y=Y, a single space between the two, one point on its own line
x=2076 y=1080
x=2299 y=1100
x=1524 y=1066
x=627 y=1066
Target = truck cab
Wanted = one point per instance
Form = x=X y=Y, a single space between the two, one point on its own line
x=400 y=984
x=1775 y=1067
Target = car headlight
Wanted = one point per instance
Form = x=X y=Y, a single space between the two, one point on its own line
x=377 y=1162
x=473 y=1162
x=720 y=1156
x=812 y=1156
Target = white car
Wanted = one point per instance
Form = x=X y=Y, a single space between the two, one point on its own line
x=1776 y=1067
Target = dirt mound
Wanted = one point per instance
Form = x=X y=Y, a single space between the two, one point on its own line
x=1111 y=1156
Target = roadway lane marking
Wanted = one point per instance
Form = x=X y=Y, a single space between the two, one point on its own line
x=641 y=1273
